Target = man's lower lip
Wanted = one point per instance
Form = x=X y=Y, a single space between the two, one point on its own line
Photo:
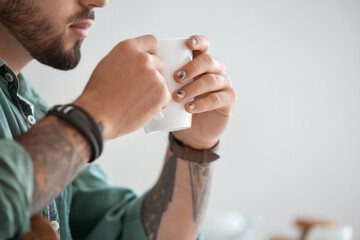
x=82 y=32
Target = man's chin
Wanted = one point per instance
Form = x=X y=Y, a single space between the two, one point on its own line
x=61 y=62
x=61 y=59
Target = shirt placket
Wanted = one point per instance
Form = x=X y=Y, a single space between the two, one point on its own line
x=27 y=110
x=13 y=87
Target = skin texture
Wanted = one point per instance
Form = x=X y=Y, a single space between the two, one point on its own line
x=179 y=198
x=174 y=206
x=213 y=93
x=140 y=90
x=41 y=36
x=57 y=158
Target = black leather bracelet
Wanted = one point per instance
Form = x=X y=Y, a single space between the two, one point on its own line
x=82 y=121
x=179 y=149
x=94 y=127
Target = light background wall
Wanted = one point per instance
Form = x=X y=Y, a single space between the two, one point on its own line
x=293 y=148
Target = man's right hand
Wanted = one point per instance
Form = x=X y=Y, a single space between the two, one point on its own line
x=127 y=88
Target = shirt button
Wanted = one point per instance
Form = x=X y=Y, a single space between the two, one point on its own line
x=31 y=119
x=54 y=225
x=9 y=77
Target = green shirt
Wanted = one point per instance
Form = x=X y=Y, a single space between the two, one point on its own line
x=89 y=208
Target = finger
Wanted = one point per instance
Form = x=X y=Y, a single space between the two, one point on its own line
x=198 y=43
x=205 y=84
x=222 y=101
x=158 y=62
x=200 y=65
x=148 y=43
x=166 y=96
x=162 y=78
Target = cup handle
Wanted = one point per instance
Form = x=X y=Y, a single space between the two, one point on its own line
x=159 y=116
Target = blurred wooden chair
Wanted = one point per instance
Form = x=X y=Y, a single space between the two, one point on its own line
x=305 y=225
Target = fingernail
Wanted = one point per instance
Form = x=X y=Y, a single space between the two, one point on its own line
x=181 y=74
x=191 y=106
x=193 y=40
x=180 y=94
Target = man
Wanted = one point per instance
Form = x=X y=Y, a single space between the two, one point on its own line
x=44 y=157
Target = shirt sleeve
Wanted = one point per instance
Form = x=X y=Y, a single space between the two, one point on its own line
x=16 y=187
x=102 y=211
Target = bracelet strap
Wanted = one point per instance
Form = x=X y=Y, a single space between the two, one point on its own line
x=185 y=152
x=82 y=121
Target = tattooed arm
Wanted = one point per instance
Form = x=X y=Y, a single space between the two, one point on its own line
x=58 y=152
x=174 y=207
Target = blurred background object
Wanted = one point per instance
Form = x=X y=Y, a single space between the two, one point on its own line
x=293 y=145
x=316 y=229
x=232 y=226
x=306 y=225
x=334 y=233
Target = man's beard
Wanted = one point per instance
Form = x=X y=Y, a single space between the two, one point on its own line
x=38 y=36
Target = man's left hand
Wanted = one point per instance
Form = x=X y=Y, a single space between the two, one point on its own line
x=214 y=97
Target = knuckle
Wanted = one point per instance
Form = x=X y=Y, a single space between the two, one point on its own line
x=155 y=39
x=216 y=98
x=144 y=59
x=209 y=59
x=153 y=76
x=194 y=67
x=164 y=93
x=222 y=66
x=200 y=104
x=204 y=39
x=129 y=43
x=228 y=80
x=234 y=95
x=159 y=89
x=152 y=39
x=150 y=35
x=168 y=97
x=193 y=89
x=213 y=79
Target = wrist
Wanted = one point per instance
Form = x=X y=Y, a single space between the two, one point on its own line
x=196 y=144
x=202 y=145
x=99 y=118
x=79 y=118
x=185 y=152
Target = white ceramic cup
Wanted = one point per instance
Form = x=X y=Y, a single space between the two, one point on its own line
x=174 y=117
x=336 y=233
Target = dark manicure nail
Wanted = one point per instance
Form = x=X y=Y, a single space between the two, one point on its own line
x=193 y=40
x=181 y=74
x=180 y=94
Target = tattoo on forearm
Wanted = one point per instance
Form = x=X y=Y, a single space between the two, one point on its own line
x=157 y=200
x=199 y=180
x=57 y=158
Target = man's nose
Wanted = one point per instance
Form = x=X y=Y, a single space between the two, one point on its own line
x=93 y=3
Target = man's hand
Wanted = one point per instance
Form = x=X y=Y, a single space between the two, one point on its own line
x=213 y=93
x=127 y=89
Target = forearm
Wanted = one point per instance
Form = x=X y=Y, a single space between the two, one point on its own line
x=174 y=207
x=58 y=152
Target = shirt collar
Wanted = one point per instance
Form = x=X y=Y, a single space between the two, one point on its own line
x=4 y=70
x=2 y=62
